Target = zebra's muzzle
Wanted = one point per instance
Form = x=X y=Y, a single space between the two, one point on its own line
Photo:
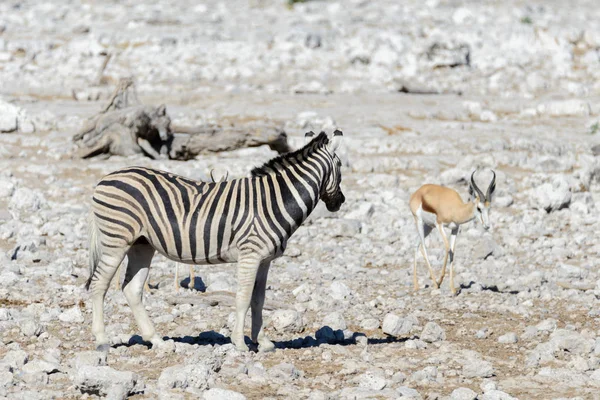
x=335 y=202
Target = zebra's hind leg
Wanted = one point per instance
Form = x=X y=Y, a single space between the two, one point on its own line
x=246 y=276
x=102 y=275
x=257 y=303
x=139 y=259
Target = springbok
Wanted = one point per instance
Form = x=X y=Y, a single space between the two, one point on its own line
x=438 y=206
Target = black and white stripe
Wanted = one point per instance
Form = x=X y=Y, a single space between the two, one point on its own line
x=250 y=220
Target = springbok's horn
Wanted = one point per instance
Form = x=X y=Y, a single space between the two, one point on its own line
x=479 y=193
x=491 y=188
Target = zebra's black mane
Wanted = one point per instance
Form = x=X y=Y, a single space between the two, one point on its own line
x=291 y=157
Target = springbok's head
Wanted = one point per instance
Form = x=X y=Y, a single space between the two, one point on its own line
x=331 y=192
x=482 y=202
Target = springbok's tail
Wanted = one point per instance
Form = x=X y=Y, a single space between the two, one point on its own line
x=95 y=249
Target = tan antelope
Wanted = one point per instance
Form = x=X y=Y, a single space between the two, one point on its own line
x=439 y=206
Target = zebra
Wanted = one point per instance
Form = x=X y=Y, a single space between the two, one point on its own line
x=137 y=211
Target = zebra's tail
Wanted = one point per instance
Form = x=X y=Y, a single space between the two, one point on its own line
x=95 y=249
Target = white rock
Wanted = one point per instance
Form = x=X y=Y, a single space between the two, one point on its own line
x=7 y=187
x=372 y=379
x=26 y=200
x=369 y=324
x=222 y=394
x=72 y=315
x=284 y=371
x=29 y=326
x=194 y=376
x=106 y=381
x=361 y=212
x=463 y=394
x=90 y=358
x=508 y=338
x=475 y=368
x=496 y=395
x=385 y=55
x=566 y=108
x=432 y=332
x=339 y=291
x=8 y=117
x=571 y=341
x=396 y=326
x=16 y=358
x=335 y=321
x=6 y=379
x=287 y=321
x=547 y=325
x=40 y=366
x=409 y=393
x=551 y=196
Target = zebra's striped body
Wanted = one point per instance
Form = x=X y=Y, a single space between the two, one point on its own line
x=137 y=211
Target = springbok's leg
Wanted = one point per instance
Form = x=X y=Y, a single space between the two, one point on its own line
x=139 y=259
x=246 y=276
x=105 y=270
x=192 y=283
x=453 y=236
x=447 y=250
x=415 y=280
x=257 y=303
x=424 y=230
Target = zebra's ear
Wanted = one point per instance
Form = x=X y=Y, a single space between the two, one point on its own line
x=335 y=141
x=308 y=136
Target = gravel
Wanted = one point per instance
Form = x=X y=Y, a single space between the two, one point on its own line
x=425 y=92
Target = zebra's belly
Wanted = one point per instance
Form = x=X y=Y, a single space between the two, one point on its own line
x=186 y=257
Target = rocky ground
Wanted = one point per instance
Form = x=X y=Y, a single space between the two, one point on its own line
x=511 y=86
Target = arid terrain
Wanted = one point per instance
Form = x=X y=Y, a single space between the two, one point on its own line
x=424 y=91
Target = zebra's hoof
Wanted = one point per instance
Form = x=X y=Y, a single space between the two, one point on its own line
x=266 y=346
x=103 y=347
x=240 y=345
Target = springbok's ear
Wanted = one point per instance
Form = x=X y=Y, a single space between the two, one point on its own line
x=308 y=136
x=335 y=141
x=162 y=110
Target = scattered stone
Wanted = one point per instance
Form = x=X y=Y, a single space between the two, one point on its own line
x=89 y=358
x=107 y=382
x=475 y=368
x=396 y=326
x=73 y=316
x=339 y=291
x=552 y=196
x=194 y=376
x=222 y=394
x=463 y=394
x=287 y=321
x=508 y=338
x=372 y=379
x=335 y=321
x=433 y=333
x=16 y=358
x=496 y=395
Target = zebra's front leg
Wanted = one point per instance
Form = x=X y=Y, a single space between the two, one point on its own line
x=257 y=303
x=246 y=277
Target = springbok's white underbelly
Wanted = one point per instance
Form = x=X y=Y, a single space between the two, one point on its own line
x=427 y=217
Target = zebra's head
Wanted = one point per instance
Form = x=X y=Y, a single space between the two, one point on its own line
x=331 y=192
